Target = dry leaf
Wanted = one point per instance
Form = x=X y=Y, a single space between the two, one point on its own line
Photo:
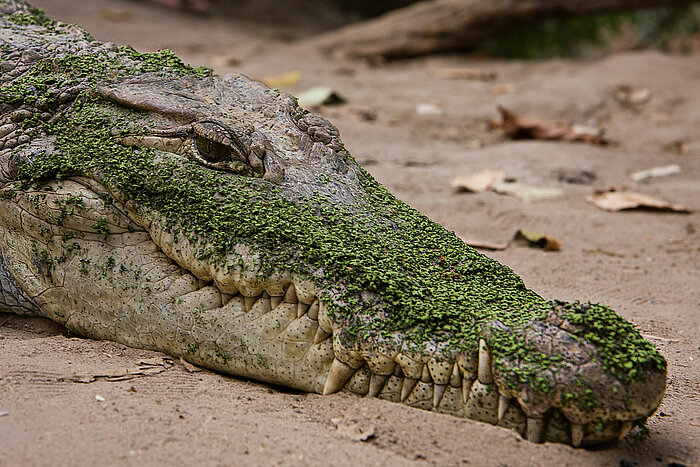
x=526 y=193
x=474 y=243
x=537 y=240
x=677 y=147
x=427 y=108
x=627 y=95
x=355 y=432
x=473 y=74
x=522 y=127
x=614 y=201
x=188 y=366
x=156 y=361
x=656 y=172
x=320 y=95
x=479 y=181
x=285 y=80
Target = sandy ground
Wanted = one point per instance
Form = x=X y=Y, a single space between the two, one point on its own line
x=645 y=264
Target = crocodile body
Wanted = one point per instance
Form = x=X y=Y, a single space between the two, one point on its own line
x=153 y=204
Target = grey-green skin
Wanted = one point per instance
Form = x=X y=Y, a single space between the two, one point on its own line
x=82 y=251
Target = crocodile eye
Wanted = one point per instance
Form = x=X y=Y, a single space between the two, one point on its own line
x=211 y=150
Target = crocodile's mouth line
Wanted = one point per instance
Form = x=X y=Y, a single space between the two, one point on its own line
x=448 y=388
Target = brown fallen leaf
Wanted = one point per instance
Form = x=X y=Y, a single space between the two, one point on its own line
x=537 y=240
x=485 y=245
x=320 y=95
x=479 y=181
x=614 y=200
x=655 y=172
x=629 y=96
x=355 y=432
x=526 y=193
x=474 y=74
x=188 y=366
x=516 y=126
x=677 y=147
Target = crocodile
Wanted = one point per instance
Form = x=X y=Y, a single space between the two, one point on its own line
x=208 y=217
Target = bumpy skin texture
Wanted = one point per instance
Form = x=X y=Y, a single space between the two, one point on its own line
x=153 y=204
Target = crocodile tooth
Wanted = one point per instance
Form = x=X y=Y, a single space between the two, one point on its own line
x=534 y=430
x=313 y=310
x=485 y=375
x=324 y=321
x=456 y=378
x=376 y=384
x=503 y=403
x=275 y=300
x=425 y=375
x=338 y=376
x=624 y=429
x=249 y=302
x=225 y=298
x=438 y=392
x=576 y=434
x=407 y=387
x=466 y=388
x=320 y=335
x=398 y=372
x=291 y=295
x=302 y=308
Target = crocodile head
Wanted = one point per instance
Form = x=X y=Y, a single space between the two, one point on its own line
x=211 y=218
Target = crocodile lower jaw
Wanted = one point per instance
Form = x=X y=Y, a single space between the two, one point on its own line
x=307 y=356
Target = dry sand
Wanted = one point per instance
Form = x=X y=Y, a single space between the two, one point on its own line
x=645 y=264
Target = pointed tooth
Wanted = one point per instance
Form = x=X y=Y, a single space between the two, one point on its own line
x=313 y=310
x=485 y=375
x=407 y=387
x=466 y=389
x=576 y=434
x=456 y=378
x=338 y=376
x=225 y=298
x=249 y=302
x=376 y=384
x=275 y=300
x=425 y=376
x=438 y=392
x=398 y=372
x=624 y=429
x=291 y=295
x=320 y=335
x=301 y=309
x=503 y=403
x=264 y=294
x=535 y=429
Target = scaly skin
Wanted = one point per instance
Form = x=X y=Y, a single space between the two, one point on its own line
x=152 y=204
